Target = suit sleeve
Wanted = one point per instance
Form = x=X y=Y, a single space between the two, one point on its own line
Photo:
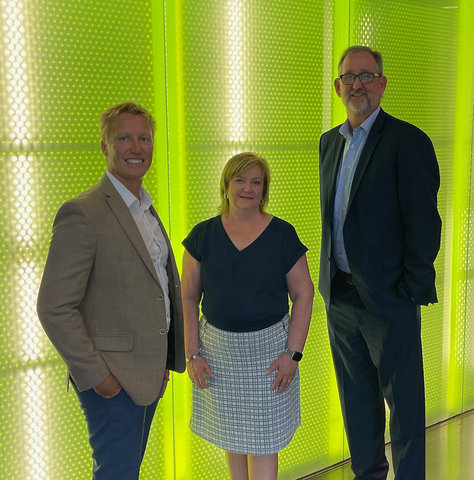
x=418 y=185
x=65 y=279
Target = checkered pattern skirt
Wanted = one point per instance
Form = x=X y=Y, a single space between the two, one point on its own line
x=238 y=412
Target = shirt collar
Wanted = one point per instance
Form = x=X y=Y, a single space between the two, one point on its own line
x=127 y=196
x=345 y=129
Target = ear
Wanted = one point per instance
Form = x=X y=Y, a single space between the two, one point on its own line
x=103 y=147
x=382 y=84
x=337 y=86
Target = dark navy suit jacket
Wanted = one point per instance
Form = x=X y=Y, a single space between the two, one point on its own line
x=392 y=228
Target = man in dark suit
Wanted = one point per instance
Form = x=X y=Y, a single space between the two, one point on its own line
x=110 y=298
x=379 y=179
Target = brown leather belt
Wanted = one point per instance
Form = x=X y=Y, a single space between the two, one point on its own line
x=347 y=277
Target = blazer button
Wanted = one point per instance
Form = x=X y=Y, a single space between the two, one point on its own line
x=159 y=297
x=162 y=331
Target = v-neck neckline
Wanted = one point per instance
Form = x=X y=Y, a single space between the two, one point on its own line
x=251 y=243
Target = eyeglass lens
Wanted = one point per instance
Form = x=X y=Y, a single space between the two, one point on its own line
x=364 y=77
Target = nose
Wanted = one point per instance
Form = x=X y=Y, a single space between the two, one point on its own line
x=357 y=84
x=136 y=145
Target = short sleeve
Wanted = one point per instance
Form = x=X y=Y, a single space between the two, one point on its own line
x=293 y=248
x=193 y=242
x=190 y=243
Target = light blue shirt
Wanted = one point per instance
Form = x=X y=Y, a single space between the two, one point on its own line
x=151 y=233
x=352 y=150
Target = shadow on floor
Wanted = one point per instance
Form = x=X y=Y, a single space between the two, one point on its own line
x=449 y=453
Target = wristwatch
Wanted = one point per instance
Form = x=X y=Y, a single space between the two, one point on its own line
x=296 y=356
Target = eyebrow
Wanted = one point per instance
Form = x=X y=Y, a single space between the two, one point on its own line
x=362 y=71
x=119 y=134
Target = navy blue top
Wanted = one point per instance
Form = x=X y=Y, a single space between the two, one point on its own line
x=245 y=290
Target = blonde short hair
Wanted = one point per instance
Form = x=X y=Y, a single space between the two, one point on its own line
x=237 y=164
x=107 y=119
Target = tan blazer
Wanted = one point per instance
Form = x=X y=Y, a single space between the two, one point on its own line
x=100 y=301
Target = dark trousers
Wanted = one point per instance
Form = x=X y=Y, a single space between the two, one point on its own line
x=376 y=360
x=118 y=433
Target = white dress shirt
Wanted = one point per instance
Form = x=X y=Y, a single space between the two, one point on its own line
x=151 y=233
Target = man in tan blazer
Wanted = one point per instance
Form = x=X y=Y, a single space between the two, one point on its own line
x=110 y=298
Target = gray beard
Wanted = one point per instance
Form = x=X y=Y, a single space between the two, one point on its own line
x=363 y=108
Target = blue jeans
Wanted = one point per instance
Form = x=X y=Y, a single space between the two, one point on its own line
x=118 y=433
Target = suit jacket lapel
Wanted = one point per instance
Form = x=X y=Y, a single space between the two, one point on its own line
x=171 y=267
x=165 y=235
x=125 y=218
x=335 y=161
x=366 y=155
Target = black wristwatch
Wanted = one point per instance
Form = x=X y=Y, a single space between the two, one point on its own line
x=296 y=356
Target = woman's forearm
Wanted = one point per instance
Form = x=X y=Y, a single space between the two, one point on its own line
x=300 y=321
x=191 y=327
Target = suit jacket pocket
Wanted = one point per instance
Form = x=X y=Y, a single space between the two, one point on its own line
x=113 y=343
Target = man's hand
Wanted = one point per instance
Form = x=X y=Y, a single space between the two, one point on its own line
x=108 y=388
x=165 y=382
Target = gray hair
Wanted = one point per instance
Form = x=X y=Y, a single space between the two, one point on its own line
x=360 y=48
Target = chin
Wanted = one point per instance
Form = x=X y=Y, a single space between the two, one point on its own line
x=360 y=109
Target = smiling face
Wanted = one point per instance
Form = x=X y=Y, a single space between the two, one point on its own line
x=129 y=151
x=245 y=190
x=360 y=100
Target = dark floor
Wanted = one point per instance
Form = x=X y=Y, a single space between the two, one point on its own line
x=449 y=453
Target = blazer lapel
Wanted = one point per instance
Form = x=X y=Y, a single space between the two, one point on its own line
x=125 y=218
x=171 y=266
x=335 y=161
x=366 y=155
x=163 y=231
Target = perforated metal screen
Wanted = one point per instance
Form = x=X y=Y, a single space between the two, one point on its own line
x=222 y=76
x=409 y=60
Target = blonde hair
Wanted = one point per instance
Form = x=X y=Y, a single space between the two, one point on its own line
x=107 y=119
x=237 y=164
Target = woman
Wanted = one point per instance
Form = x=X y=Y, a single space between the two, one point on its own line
x=242 y=357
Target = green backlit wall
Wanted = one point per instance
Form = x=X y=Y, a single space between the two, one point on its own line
x=221 y=76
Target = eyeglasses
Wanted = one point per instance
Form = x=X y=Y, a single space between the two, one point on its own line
x=364 y=77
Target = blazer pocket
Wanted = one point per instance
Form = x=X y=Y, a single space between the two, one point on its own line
x=113 y=343
x=393 y=262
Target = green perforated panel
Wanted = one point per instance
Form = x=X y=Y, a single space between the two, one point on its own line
x=378 y=25
x=468 y=350
x=222 y=76
x=254 y=81
x=61 y=64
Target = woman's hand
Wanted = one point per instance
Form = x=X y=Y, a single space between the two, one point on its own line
x=286 y=372
x=197 y=369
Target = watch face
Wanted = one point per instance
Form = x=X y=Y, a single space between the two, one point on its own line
x=297 y=356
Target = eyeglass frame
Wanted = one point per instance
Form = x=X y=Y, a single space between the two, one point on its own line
x=358 y=76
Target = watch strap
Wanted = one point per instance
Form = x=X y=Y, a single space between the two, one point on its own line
x=296 y=356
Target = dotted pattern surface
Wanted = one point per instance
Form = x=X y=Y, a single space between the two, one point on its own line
x=379 y=25
x=253 y=81
x=61 y=64
x=256 y=77
x=468 y=350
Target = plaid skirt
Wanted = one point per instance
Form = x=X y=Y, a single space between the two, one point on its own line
x=238 y=412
